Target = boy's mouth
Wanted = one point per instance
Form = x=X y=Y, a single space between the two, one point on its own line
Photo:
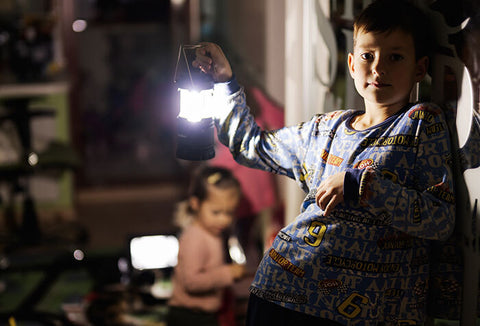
x=379 y=84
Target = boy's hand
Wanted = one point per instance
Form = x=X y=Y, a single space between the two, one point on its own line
x=330 y=192
x=211 y=60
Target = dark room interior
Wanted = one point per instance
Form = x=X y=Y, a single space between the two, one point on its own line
x=88 y=136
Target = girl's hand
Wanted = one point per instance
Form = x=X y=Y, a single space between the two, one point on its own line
x=211 y=60
x=238 y=271
x=330 y=192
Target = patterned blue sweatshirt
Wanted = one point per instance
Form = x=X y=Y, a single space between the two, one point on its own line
x=368 y=261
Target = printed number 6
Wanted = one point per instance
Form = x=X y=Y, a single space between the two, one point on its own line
x=354 y=309
x=316 y=230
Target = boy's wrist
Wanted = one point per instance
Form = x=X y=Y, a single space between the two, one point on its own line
x=351 y=184
x=228 y=87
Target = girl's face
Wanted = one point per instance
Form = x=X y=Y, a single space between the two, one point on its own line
x=217 y=211
x=385 y=69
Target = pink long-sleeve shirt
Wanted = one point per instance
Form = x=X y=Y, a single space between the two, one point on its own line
x=201 y=274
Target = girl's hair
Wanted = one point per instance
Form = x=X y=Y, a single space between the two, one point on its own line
x=387 y=15
x=211 y=176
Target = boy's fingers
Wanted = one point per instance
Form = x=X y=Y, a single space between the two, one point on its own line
x=203 y=60
x=323 y=200
x=211 y=48
x=327 y=201
x=318 y=197
x=216 y=52
x=203 y=63
x=331 y=205
x=210 y=58
x=212 y=51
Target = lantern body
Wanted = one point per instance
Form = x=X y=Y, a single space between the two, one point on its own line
x=195 y=129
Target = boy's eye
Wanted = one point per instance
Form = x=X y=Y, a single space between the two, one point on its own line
x=366 y=56
x=396 y=57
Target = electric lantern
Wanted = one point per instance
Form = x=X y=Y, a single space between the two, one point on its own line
x=195 y=128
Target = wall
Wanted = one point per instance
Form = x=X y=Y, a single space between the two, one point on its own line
x=241 y=28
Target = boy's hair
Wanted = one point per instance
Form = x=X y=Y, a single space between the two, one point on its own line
x=388 y=15
x=211 y=176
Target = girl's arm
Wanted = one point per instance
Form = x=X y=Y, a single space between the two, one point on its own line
x=192 y=272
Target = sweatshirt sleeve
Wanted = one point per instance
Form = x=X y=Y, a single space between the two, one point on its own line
x=351 y=184
x=281 y=151
x=426 y=210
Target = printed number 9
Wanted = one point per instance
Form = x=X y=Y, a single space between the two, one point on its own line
x=316 y=230
x=353 y=309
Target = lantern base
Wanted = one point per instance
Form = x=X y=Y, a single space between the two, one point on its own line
x=195 y=140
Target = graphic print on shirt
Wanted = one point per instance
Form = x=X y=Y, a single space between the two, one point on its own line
x=363 y=247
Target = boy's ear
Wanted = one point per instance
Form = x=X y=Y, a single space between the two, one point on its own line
x=351 y=65
x=422 y=68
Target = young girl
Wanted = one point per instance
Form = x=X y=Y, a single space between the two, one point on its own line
x=201 y=274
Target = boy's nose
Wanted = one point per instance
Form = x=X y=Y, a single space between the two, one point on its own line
x=378 y=67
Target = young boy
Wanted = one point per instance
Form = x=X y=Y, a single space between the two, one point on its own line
x=378 y=185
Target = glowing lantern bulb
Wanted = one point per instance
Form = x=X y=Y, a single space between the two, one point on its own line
x=195 y=134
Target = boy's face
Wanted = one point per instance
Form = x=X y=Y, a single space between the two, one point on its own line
x=384 y=68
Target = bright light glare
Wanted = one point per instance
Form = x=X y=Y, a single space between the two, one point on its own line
x=122 y=265
x=79 y=25
x=33 y=159
x=155 y=251
x=177 y=3
x=78 y=254
x=195 y=105
x=235 y=251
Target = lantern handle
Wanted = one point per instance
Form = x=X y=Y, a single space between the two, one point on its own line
x=181 y=50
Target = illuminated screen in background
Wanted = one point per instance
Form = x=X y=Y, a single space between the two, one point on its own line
x=154 y=251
